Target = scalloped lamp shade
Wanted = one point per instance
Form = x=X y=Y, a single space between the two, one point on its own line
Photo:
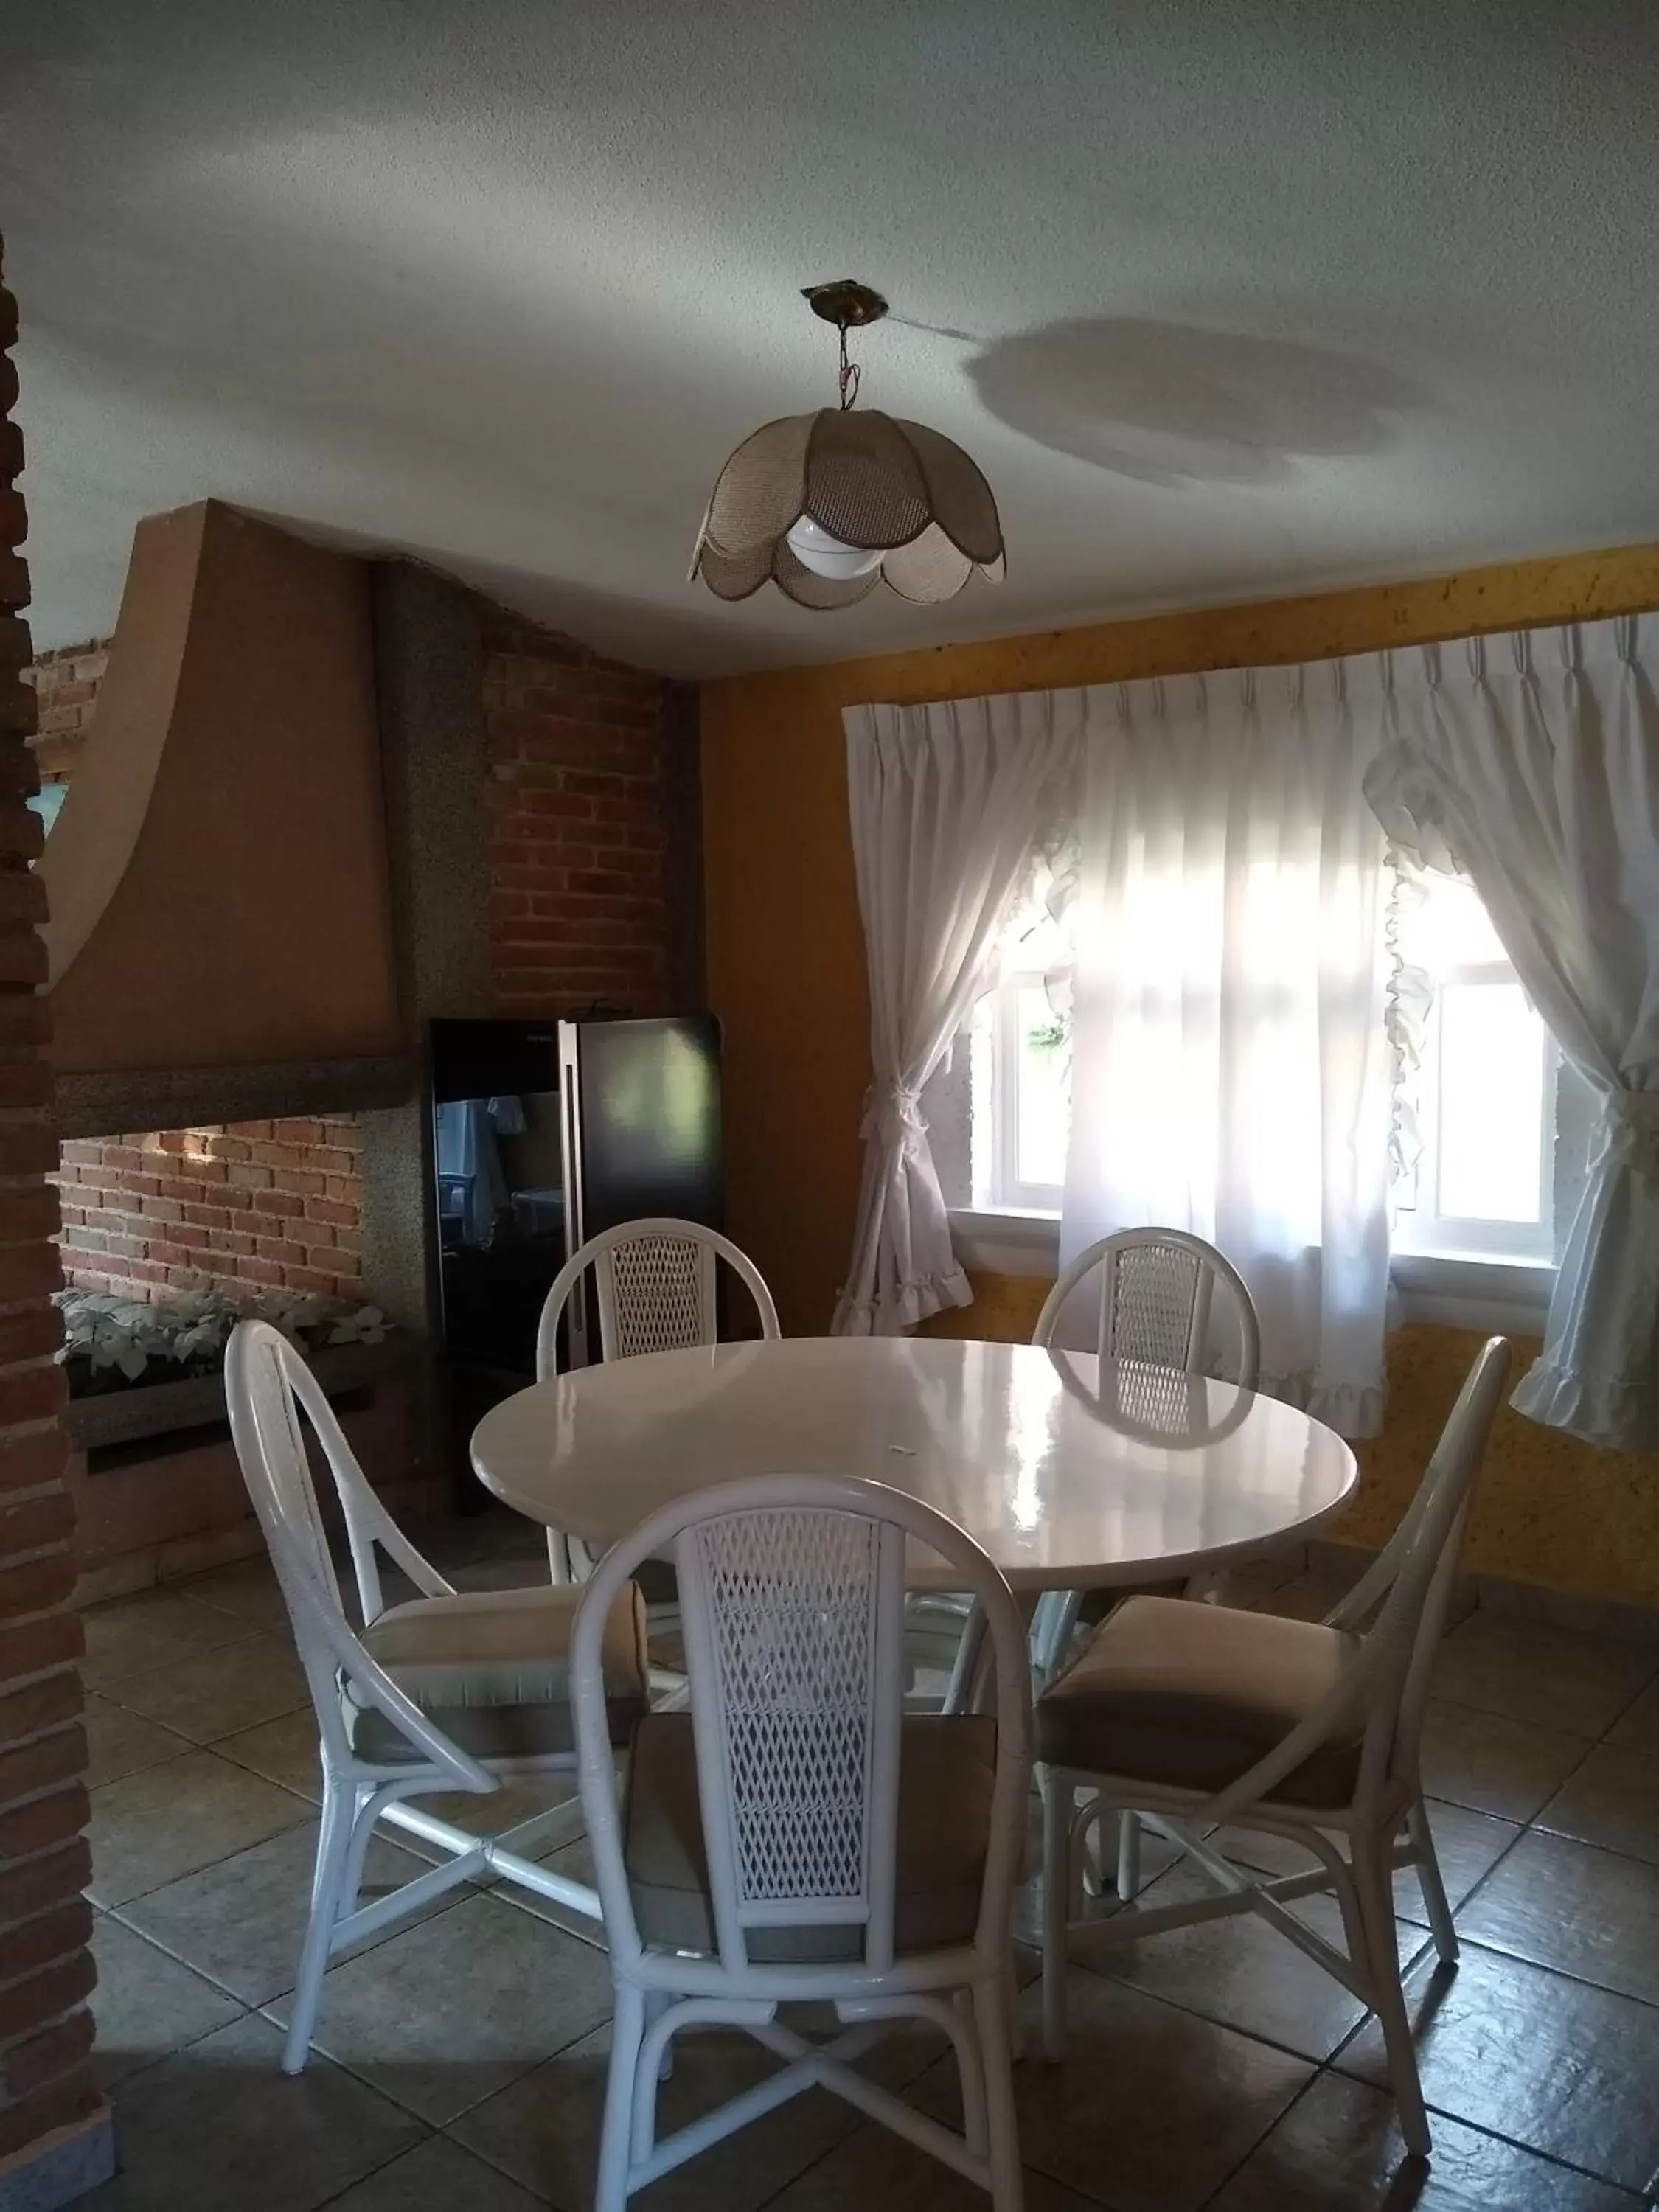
x=828 y=506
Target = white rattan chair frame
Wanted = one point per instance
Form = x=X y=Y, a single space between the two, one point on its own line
x=818 y=1847
x=268 y=1386
x=1156 y=1297
x=655 y=1284
x=1403 y=1597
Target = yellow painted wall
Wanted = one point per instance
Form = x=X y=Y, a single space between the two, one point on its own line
x=786 y=975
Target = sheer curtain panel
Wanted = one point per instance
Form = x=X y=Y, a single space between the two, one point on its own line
x=1230 y=1071
x=1530 y=763
x=948 y=803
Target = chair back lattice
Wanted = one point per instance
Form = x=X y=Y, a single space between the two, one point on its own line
x=790 y=1598
x=1153 y=1294
x=661 y=1296
x=1156 y=1289
x=655 y=1282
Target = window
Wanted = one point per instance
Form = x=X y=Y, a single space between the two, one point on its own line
x=1493 y=1126
x=1021 y=1072
x=1478 y=1117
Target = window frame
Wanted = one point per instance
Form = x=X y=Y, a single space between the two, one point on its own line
x=1424 y=1232
x=1007 y=1191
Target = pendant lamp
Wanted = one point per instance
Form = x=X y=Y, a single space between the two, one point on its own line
x=828 y=506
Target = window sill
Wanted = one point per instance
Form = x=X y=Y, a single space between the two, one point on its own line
x=1005 y=1241
x=1509 y=1295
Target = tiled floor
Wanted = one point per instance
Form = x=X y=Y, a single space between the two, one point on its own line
x=462 y=2058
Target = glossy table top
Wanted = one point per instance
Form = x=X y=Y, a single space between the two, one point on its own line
x=1071 y=1472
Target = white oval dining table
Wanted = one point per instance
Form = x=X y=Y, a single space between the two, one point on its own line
x=1072 y=1473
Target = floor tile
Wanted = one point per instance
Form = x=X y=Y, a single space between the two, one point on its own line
x=1491 y=1764
x=220 y=1692
x=246 y=1589
x=1544 y=1676
x=1613 y=1800
x=575 y=1861
x=283 y=1750
x=132 y=1635
x=119 y=1742
x=449 y=2011
x=437 y=2176
x=1311 y=1595
x=1637 y=1728
x=1340 y=2146
x=1152 y=2108
x=220 y=2126
x=243 y=1920
x=1467 y=1844
x=1584 y=1912
x=544 y=2129
x=151 y=1827
x=1239 y=1972
x=880 y=2172
x=1554 y=2064
x=146 y=2005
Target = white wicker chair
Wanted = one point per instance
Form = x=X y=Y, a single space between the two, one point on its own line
x=449 y=1691
x=1199 y=1718
x=1156 y=1301
x=792 y=1836
x=655 y=1282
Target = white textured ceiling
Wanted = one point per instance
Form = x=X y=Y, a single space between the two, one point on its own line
x=1226 y=299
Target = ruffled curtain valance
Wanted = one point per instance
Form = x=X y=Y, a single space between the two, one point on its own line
x=1530 y=763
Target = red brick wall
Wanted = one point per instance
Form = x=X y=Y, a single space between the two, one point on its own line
x=267 y=1205
x=46 y=1969
x=582 y=825
x=65 y=691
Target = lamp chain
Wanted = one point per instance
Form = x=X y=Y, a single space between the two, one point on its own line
x=849 y=374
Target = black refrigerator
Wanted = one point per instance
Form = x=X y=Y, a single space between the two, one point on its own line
x=543 y=1134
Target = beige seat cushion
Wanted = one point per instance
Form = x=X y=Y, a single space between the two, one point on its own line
x=492 y=1669
x=1192 y=1695
x=947 y=1774
x=1097 y=1603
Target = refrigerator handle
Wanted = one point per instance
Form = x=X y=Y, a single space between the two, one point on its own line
x=570 y=1150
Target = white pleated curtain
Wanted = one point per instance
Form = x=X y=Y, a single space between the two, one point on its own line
x=1530 y=763
x=947 y=805
x=1230 y=1071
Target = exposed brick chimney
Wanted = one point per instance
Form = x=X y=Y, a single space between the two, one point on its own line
x=53 y=2123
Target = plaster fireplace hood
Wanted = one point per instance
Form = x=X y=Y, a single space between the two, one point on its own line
x=221 y=945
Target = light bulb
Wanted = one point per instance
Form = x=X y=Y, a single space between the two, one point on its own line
x=815 y=549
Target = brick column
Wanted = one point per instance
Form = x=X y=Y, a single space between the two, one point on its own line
x=55 y=2134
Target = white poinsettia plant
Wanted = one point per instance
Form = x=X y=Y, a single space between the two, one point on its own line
x=118 y=1342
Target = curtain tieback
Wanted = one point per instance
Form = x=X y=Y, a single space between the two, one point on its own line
x=892 y=1117
x=1633 y=1127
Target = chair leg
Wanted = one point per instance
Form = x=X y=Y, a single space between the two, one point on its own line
x=972 y=2069
x=1430 y=1883
x=1002 y=2127
x=1129 y=1856
x=1056 y=1902
x=1374 y=1883
x=616 y=2138
x=333 y=1851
